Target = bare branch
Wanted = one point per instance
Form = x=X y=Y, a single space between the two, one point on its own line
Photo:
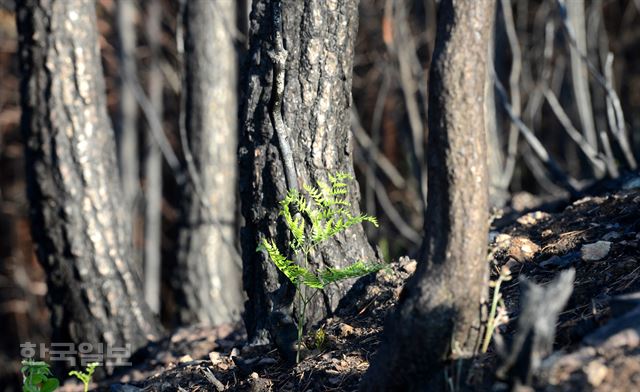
x=534 y=142
x=619 y=129
x=574 y=134
x=514 y=90
x=616 y=118
x=405 y=49
x=579 y=74
x=379 y=158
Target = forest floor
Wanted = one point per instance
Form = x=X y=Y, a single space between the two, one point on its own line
x=597 y=344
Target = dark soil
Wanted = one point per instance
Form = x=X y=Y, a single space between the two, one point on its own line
x=537 y=245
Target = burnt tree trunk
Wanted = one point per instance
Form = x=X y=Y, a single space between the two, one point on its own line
x=319 y=37
x=77 y=221
x=209 y=266
x=438 y=315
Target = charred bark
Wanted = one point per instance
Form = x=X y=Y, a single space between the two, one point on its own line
x=208 y=278
x=77 y=221
x=438 y=316
x=315 y=107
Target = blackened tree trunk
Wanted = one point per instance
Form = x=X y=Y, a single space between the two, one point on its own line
x=209 y=272
x=438 y=316
x=319 y=37
x=77 y=221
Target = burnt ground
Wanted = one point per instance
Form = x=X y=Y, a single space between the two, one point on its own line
x=594 y=349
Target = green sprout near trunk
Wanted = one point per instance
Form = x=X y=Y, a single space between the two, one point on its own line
x=312 y=218
x=495 y=320
x=36 y=377
x=85 y=376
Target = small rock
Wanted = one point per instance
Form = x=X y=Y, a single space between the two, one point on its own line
x=254 y=375
x=215 y=357
x=341 y=366
x=407 y=264
x=185 y=358
x=345 y=330
x=596 y=251
x=532 y=218
x=410 y=267
x=503 y=241
x=523 y=249
x=596 y=373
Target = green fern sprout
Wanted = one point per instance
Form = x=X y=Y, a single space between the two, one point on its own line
x=327 y=213
x=36 y=377
x=85 y=376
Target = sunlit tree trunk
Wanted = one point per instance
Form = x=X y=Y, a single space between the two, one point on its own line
x=153 y=166
x=126 y=126
x=437 y=318
x=208 y=276
x=78 y=222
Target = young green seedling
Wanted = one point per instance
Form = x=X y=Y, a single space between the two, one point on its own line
x=85 y=377
x=494 y=320
x=312 y=218
x=36 y=377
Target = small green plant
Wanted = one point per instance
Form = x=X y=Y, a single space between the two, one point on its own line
x=320 y=338
x=36 y=377
x=494 y=320
x=85 y=376
x=313 y=217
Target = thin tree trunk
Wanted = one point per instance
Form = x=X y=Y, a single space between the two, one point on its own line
x=209 y=276
x=153 y=166
x=319 y=37
x=77 y=218
x=580 y=74
x=498 y=188
x=127 y=124
x=438 y=316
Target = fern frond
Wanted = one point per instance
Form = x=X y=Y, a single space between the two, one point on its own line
x=357 y=269
x=291 y=270
x=340 y=177
x=315 y=194
x=325 y=189
x=295 y=223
